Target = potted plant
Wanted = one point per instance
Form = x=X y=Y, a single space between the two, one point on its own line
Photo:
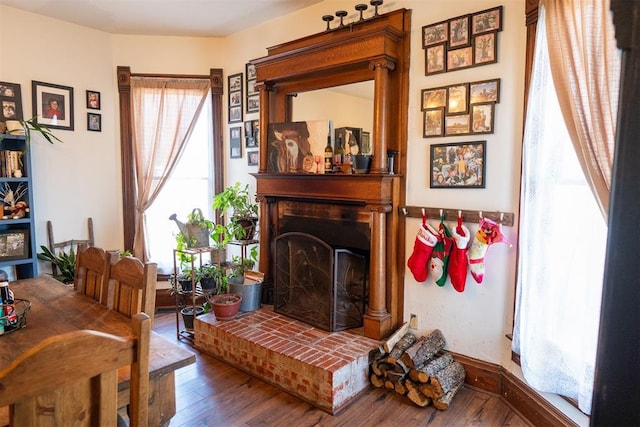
x=243 y=208
x=65 y=262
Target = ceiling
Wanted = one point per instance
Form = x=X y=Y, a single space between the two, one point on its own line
x=196 y=18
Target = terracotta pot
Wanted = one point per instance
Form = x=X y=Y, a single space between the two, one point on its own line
x=225 y=306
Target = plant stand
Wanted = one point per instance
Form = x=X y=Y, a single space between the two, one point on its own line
x=189 y=298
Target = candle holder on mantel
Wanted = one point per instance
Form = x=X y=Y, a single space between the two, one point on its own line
x=376 y=3
x=361 y=8
x=341 y=14
x=327 y=19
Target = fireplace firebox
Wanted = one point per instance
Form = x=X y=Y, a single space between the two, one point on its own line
x=319 y=284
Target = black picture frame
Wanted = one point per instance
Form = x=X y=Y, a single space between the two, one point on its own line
x=459 y=32
x=435 y=97
x=11 y=101
x=234 y=100
x=253 y=104
x=252 y=100
x=484 y=91
x=94 y=122
x=435 y=59
x=486 y=21
x=457 y=125
x=433 y=123
x=485 y=48
x=482 y=118
x=458 y=99
x=14 y=244
x=47 y=96
x=253 y=157
x=435 y=33
x=93 y=100
x=235 y=142
x=458 y=165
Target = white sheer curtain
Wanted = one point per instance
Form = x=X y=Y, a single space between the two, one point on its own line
x=164 y=112
x=561 y=253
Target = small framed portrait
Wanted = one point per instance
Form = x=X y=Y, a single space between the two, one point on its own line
x=484 y=91
x=235 y=97
x=235 y=142
x=485 y=48
x=251 y=71
x=458 y=59
x=457 y=99
x=251 y=87
x=433 y=123
x=365 y=146
x=253 y=104
x=94 y=122
x=11 y=100
x=235 y=114
x=459 y=32
x=456 y=125
x=434 y=98
x=435 y=59
x=53 y=105
x=250 y=142
x=435 y=33
x=482 y=118
x=253 y=157
x=93 y=100
x=14 y=244
x=248 y=129
x=458 y=165
x=255 y=124
x=487 y=20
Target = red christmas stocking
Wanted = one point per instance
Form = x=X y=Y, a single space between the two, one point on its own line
x=426 y=239
x=458 y=265
x=440 y=256
x=488 y=233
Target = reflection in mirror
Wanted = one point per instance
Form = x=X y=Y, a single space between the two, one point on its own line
x=348 y=106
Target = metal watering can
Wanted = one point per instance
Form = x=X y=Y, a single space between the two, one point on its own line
x=193 y=230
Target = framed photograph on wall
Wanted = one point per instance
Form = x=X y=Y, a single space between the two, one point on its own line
x=484 y=91
x=253 y=157
x=434 y=98
x=482 y=117
x=485 y=50
x=253 y=104
x=456 y=125
x=487 y=20
x=235 y=97
x=459 y=32
x=253 y=100
x=11 y=100
x=458 y=165
x=460 y=58
x=435 y=59
x=93 y=100
x=94 y=122
x=433 y=123
x=435 y=33
x=457 y=99
x=53 y=104
x=14 y=244
x=235 y=142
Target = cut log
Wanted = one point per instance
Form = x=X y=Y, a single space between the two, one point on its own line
x=392 y=379
x=400 y=387
x=448 y=378
x=432 y=344
x=429 y=391
x=393 y=339
x=437 y=364
x=419 y=375
x=444 y=402
x=410 y=353
x=376 y=381
x=404 y=343
x=418 y=398
x=380 y=367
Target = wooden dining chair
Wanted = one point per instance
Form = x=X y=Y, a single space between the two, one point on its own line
x=132 y=285
x=92 y=268
x=72 y=379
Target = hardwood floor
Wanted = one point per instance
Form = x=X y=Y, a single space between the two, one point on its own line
x=212 y=393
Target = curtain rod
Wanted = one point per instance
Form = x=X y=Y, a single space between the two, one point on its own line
x=469 y=216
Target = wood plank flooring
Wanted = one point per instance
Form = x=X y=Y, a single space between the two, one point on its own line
x=212 y=393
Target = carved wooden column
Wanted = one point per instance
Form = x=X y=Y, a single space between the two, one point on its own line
x=263 y=90
x=377 y=321
x=268 y=214
x=381 y=68
x=126 y=157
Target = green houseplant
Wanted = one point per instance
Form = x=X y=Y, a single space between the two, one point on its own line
x=237 y=202
x=66 y=263
x=32 y=126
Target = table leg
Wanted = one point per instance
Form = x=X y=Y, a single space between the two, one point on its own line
x=162 y=399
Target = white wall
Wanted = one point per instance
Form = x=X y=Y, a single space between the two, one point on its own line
x=475 y=322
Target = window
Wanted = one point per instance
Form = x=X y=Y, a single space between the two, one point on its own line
x=190 y=186
x=562 y=250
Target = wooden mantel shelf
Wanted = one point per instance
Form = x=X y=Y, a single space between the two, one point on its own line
x=340 y=188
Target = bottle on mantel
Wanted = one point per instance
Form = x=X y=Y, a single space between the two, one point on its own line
x=339 y=153
x=328 y=156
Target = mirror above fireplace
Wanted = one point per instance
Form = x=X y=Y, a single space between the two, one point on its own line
x=374 y=50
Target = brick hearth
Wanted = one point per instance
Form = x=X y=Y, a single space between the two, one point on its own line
x=328 y=370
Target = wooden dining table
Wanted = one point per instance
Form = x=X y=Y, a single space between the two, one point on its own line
x=57 y=308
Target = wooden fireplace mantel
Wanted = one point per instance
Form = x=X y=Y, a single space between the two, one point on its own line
x=373 y=49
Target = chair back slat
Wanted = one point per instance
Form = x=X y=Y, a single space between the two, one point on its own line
x=71 y=379
x=92 y=266
x=133 y=285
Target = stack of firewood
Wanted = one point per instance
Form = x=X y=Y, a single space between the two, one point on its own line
x=417 y=368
